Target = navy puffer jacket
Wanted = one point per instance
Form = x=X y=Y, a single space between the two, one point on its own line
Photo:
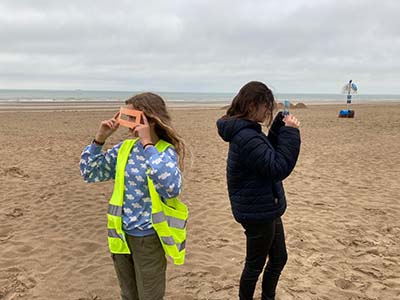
x=256 y=166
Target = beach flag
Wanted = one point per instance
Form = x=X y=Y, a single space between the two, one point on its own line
x=349 y=89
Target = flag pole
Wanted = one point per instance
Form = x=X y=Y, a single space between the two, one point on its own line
x=349 y=94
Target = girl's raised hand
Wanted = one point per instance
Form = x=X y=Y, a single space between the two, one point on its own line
x=143 y=131
x=291 y=121
x=107 y=128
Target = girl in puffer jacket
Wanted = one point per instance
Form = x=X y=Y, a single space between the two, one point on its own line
x=256 y=166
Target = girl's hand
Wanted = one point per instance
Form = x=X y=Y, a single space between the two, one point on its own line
x=107 y=128
x=143 y=131
x=291 y=121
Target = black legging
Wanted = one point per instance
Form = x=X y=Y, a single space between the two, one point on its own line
x=262 y=240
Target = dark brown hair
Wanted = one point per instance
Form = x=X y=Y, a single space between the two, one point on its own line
x=250 y=97
x=155 y=110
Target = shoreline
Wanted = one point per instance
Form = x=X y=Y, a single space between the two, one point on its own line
x=108 y=106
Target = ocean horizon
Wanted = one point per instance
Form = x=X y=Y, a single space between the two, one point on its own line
x=46 y=96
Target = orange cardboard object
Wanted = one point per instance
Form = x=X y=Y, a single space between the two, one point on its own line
x=135 y=117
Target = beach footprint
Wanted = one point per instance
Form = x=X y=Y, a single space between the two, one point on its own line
x=14 y=172
x=16 y=286
x=90 y=296
x=15 y=213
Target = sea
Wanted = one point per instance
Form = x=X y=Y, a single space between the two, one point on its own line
x=70 y=96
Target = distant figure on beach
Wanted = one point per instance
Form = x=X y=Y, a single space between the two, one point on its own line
x=256 y=166
x=146 y=170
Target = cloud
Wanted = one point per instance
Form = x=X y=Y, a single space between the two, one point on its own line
x=295 y=46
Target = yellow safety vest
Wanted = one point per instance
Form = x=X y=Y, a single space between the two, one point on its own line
x=168 y=216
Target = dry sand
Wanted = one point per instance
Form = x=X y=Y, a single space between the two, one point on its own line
x=342 y=222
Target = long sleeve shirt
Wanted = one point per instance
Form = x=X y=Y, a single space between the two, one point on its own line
x=96 y=166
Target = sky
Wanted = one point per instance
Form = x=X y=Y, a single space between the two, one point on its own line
x=304 y=46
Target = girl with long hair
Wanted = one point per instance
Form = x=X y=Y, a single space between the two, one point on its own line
x=137 y=250
x=256 y=166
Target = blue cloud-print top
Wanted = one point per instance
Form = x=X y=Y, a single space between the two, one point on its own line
x=96 y=166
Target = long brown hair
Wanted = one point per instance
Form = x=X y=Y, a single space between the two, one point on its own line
x=155 y=110
x=251 y=96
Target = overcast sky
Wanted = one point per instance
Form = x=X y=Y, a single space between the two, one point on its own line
x=304 y=46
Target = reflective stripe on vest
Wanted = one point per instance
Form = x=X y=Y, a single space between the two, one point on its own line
x=115 y=210
x=172 y=222
x=169 y=240
x=113 y=233
x=168 y=217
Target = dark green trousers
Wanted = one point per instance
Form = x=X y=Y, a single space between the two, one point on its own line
x=141 y=274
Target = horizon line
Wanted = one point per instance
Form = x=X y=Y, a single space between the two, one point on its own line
x=192 y=92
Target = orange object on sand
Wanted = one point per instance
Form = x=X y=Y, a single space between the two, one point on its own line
x=129 y=117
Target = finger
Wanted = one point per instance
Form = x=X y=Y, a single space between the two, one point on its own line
x=116 y=116
x=145 y=121
x=136 y=128
x=111 y=123
x=115 y=125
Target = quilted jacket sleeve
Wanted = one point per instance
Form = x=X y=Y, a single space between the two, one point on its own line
x=275 y=162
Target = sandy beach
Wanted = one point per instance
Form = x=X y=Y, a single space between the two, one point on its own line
x=342 y=222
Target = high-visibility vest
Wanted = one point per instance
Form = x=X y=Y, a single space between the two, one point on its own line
x=168 y=216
